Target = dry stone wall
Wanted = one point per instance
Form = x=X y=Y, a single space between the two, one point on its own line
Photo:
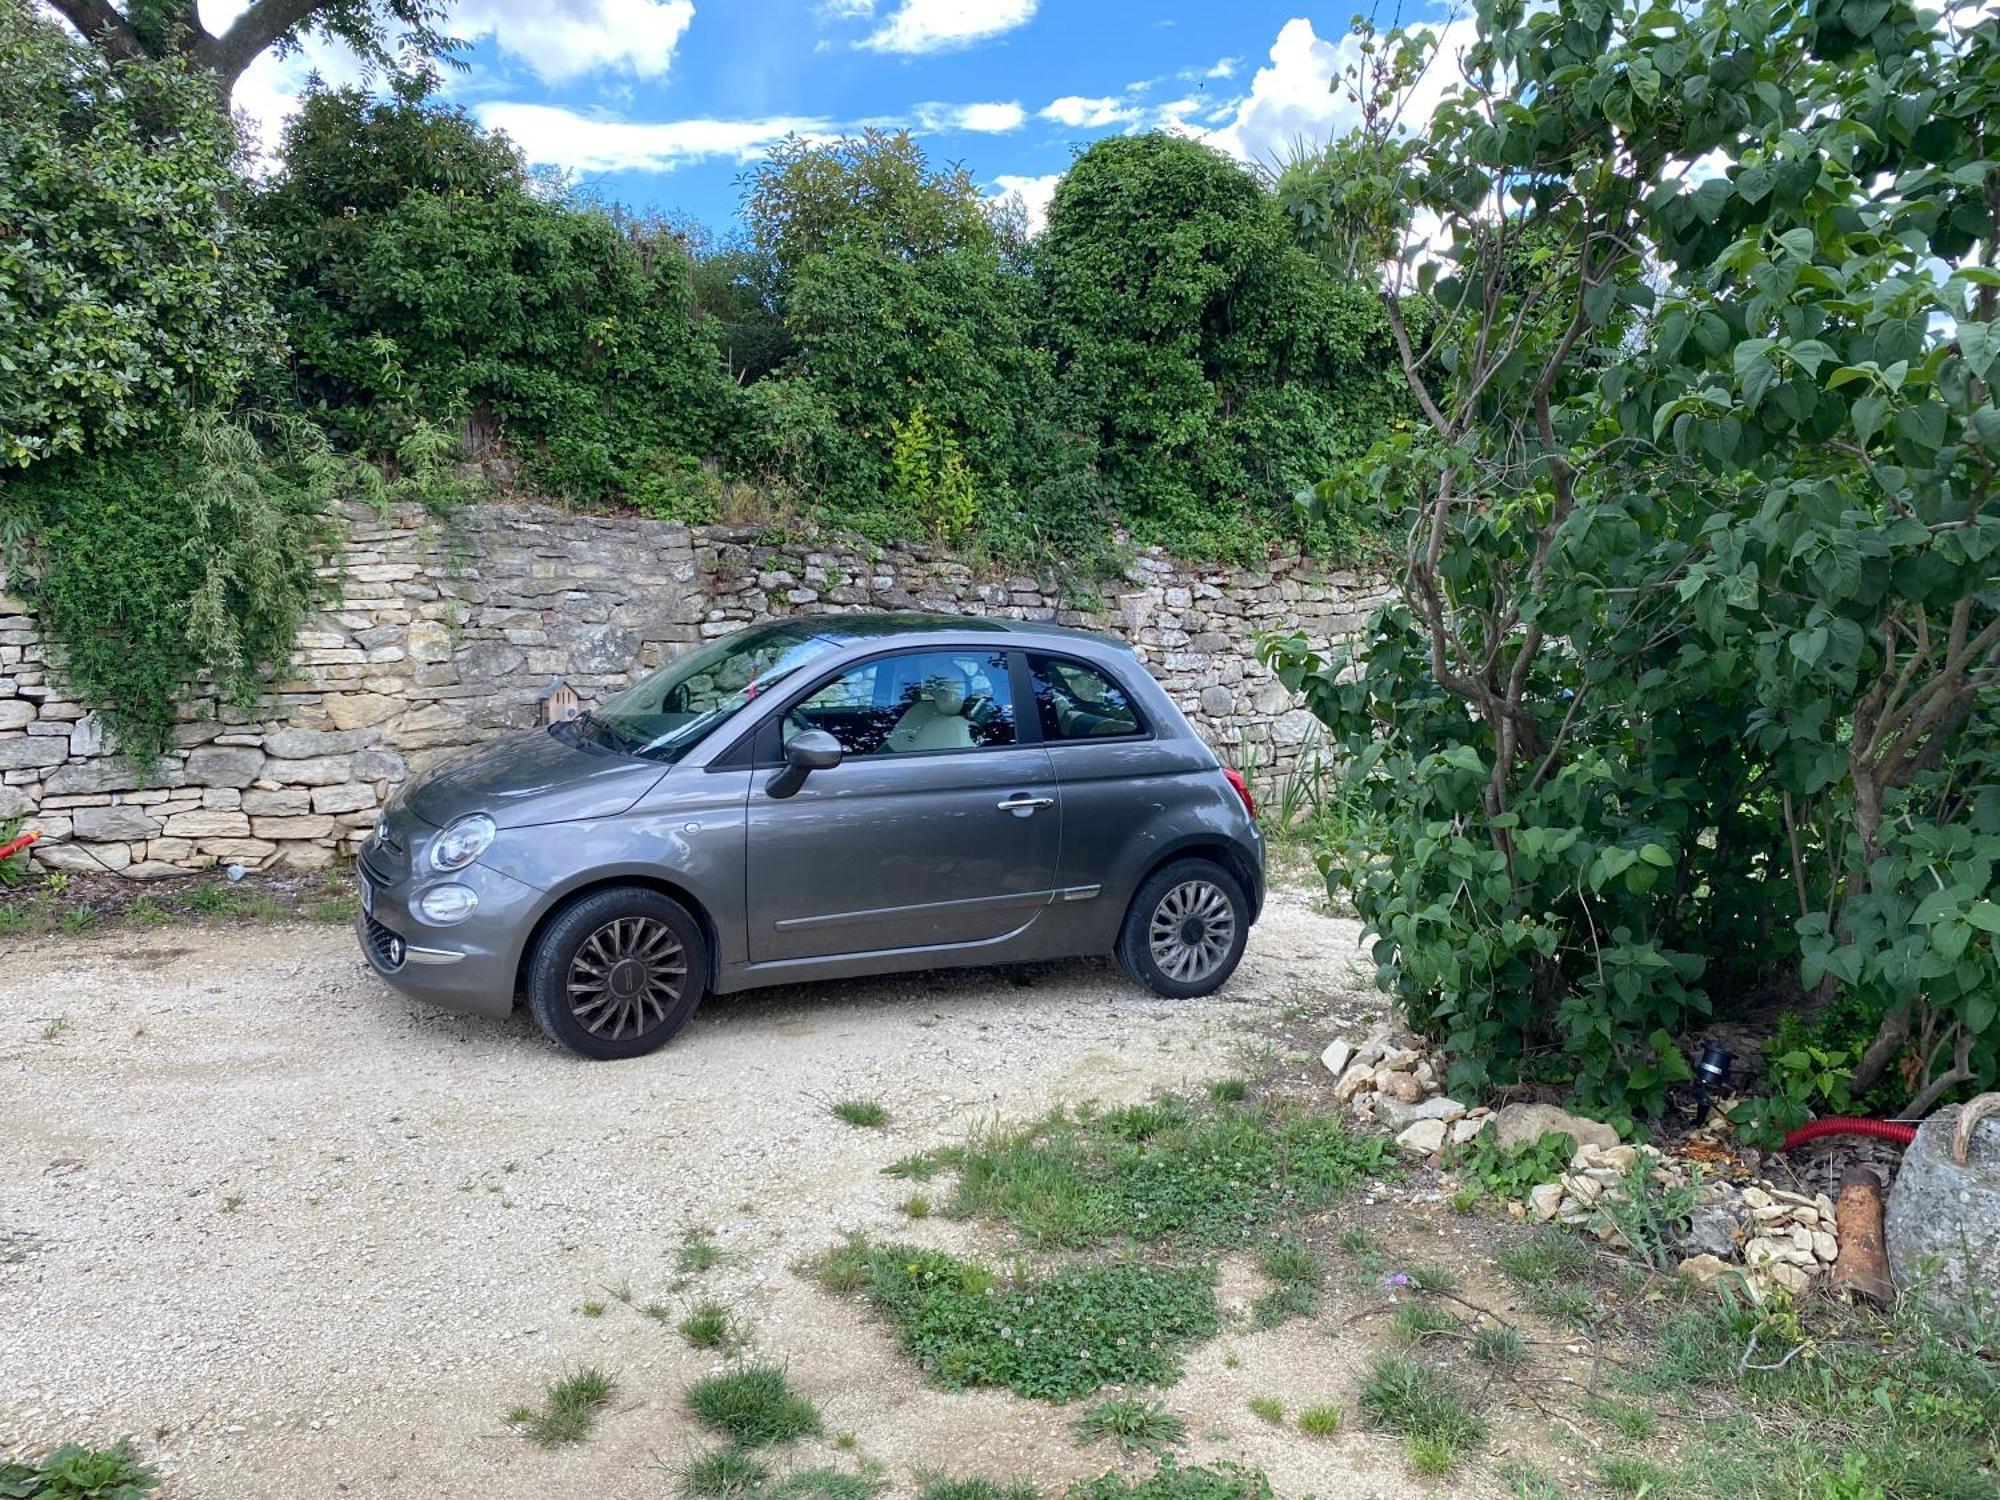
x=444 y=634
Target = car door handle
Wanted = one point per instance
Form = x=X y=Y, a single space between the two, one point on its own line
x=1021 y=802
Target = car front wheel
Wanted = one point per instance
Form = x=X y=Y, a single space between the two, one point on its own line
x=618 y=972
x=1185 y=931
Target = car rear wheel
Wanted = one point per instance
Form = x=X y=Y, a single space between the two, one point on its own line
x=1186 y=928
x=617 y=973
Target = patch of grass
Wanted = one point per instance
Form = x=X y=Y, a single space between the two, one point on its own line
x=1497 y=1344
x=724 y=1474
x=923 y=1166
x=823 y=1483
x=1356 y=1240
x=1433 y=1457
x=1634 y=1423
x=147 y=912
x=74 y=1472
x=1554 y=1270
x=916 y=1206
x=54 y=1027
x=210 y=900
x=232 y=1201
x=698 y=1253
x=592 y=1309
x=937 y=1487
x=1171 y=1482
x=1055 y=1337
x=569 y=1410
x=77 y=920
x=1400 y=1395
x=1319 y=1421
x=1160 y=1171
x=709 y=1325
x=1428 y=1276
x=754 y=1406
x=1134 y=1425
x=1298 y=1274
x=1270 y=1408
x=15 y=920
x=1228 y=1090
x=1526 y=1482
x=1623 y=1474
x=1415 y=1322
x=863 y=1114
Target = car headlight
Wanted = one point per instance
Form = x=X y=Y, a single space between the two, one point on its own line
x=462 y=843
x=446 y=904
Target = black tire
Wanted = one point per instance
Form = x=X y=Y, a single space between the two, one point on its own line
x=1188 y=883
x=632 y=940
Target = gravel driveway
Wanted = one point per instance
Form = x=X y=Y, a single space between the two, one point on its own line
x=299 y=1237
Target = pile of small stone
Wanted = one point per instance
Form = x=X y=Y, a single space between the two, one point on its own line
x=1783 y=1239
x=1392 y=1079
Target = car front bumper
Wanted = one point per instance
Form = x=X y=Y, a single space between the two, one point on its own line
x=469 y=965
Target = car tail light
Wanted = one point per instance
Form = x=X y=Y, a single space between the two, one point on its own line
x=1242 y=790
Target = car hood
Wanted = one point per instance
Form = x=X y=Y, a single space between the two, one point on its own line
x=529 y=778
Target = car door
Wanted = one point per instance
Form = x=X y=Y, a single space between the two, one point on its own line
x=939 y=828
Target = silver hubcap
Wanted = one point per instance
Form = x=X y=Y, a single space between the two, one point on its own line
x=626 y=977
x=1191 y=931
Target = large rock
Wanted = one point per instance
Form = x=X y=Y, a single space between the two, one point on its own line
x=1945 y=1213
x=1524 y=1124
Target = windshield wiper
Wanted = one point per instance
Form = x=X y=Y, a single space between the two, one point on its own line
x=610 y=734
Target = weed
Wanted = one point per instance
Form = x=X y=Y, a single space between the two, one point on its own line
x=753 y=1406
x=822 y=1483
x=622 y=1292
x=917 y=1206
x=937 y=1487
x=1511 y=1171
x=919 y=1168
x=14 y=920
x=1228 y=1090
x=1433 y=1457
x=149 y=913
x=1319 y=1421
x=1417 y=1321
x=77 y=920
x=1428 y=1276
x=55 y=1027
x=592 y=1309
x=1298 y=1274
x=1132 y=1424
x=1159 y=1171
x=1056 y=1336
x=231 y=1202
x=73 y=1472
x=210 y=900
x=845 y=1269
x=723 y=1474
x=863 y=1114
x=1171 y=1482
x=1553 y=1270
x=1270 y=1408
x=1647 y=1215
x=1400 y=1395
x=569 y=1411
x=1497 y=1344
x=845 y=1441
x=1622 y=1474
x=708 y=1325
x=1634 y=1423
x=1526 y=1482
x=1356 y=1240
x=698 y=1253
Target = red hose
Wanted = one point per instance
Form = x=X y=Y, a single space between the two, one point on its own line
x=1881 y=1130
x=19 y=844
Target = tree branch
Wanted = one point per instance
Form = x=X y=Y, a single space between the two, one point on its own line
x=103 y=27
x=257 y=28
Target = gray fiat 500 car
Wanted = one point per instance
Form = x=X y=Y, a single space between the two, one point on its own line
x=817 y=798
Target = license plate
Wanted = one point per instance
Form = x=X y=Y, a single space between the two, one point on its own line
x=367 y=897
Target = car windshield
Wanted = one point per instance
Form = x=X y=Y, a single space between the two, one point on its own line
x=664 y=716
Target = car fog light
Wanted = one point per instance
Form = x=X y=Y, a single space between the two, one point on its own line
x=446 y=904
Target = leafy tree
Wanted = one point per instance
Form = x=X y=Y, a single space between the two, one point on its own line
x=875 y=191
x=1217 y=367
x=400 y=37
x=427 y=275
x=1694 y=688
x=128 y=289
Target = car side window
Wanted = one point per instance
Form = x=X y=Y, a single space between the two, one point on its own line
x=1075 y=702
x=916 y=703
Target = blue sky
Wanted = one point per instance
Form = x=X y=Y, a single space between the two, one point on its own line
x=660 y=104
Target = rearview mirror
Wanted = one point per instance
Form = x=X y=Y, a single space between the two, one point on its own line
x=813 y=750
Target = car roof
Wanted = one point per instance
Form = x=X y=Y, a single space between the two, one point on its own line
x=868 y=627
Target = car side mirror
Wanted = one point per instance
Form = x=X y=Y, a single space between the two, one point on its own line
x=813 y=750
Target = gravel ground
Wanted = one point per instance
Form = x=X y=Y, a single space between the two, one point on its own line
x=301 y=1237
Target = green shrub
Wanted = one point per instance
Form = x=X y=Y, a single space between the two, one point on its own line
x=73 y=1472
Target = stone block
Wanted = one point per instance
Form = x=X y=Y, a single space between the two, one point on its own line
x=207 y=823
x=16 y=713
x=1944 y=1213
x=305 y=744
x=342 y=799
x=224 y=765
x=291 y=828
x=323 y=770
x=97 y=823
x=27 y=752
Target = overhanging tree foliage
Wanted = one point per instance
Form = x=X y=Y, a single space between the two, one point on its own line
x=1692 y=698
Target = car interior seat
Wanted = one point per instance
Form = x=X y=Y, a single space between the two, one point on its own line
x=936 y=721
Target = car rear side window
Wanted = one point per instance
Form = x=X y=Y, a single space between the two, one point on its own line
x=1076 y=702
x=920 y=701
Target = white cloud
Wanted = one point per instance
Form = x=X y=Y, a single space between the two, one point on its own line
x=1291 y=100
x=846 y=10
x=938 y=25
x=564 y=39
x=1075 y=110
x=992 y=119
x=1225 y=67
x=1033 y=193
x=586 y=143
